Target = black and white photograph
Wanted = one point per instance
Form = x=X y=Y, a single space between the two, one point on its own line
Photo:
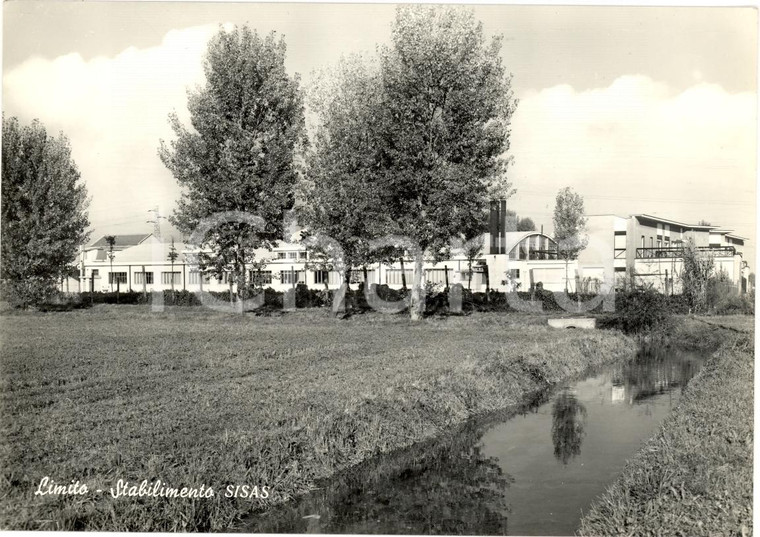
x=376 y=268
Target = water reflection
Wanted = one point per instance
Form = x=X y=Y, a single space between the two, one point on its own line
x=446 y=487
x=652 y=373
x=568 y=421
x=501 y=476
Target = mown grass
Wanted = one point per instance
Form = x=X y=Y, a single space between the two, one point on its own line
x=195 y=397
x=694 y=477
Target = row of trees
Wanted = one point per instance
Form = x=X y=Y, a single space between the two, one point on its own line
x=405 y=152
x=409 y=143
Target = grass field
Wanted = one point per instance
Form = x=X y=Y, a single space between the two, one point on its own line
x=193 y=397
x=695 y=476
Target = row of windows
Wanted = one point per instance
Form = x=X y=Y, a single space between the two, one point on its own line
x=145 y=277
x=660 y=242
x=166 y=278
x=289 y=277
x=533 y=247
x=291 y=255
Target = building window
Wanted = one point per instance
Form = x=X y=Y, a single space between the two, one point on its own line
x=643 y=242
x=524 y=248
x=651 y=242
x=321 y=276
x=280 y=255
x=393 y=276
x=95 y=273
x=291 y=276
x=659 y=243
x=292 y=255
x=260 y=278
x=167 y=278
x=194 y=277
x=117 y=277
x=436 y=275
x=301 y=255
x=139 y=277
x=514 y=273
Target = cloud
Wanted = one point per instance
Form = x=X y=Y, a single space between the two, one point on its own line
x=637 y=146
x=114 y=111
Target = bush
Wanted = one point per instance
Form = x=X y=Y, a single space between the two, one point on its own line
x=63 y=302
x=735 y=305
x=638 y=311
x=312 y=298
x=497 y=300
x=678 y=304
x=30 y=291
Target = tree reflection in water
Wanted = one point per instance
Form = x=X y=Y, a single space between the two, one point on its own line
x=443 y=487
x=568 y=420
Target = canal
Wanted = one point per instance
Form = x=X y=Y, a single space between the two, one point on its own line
x=528 y=471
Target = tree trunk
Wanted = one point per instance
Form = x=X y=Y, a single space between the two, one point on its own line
x=347 y=297
x=417 y=303
x=403 y=274
x=488 y=282
x=241 y=276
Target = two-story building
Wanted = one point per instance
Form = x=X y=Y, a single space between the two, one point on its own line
x=649 y=249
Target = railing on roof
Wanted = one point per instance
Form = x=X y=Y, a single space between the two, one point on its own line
x=677 y=252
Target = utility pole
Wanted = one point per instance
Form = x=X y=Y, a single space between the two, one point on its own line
x=156 y=221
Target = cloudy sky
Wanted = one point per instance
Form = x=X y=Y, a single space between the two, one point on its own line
x=640 y=109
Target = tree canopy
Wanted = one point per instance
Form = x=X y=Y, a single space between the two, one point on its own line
x=569 y=227
x=569 y=223
x=445 y=123
x=240 y=153
x=526 y=224
x=44 y=211
x=443 y=129
x=341 y=192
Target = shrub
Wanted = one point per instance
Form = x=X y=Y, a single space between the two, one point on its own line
x=733 y=305
x=638 y=311
x=27 y=292
x=312 y=298
x=678 y=304
x=63 y=302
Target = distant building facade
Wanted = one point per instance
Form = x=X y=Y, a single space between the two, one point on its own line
x=649 y=250
x=641 y=248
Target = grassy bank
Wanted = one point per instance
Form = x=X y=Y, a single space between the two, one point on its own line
x=194 y=397
x=694 y=477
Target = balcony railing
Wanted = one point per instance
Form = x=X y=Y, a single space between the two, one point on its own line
x=677 y=252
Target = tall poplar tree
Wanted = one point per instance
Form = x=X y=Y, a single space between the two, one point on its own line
x=240 y=152
x=44 y=212
x=569 y=226
x=444 y=129
x=341 y=192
